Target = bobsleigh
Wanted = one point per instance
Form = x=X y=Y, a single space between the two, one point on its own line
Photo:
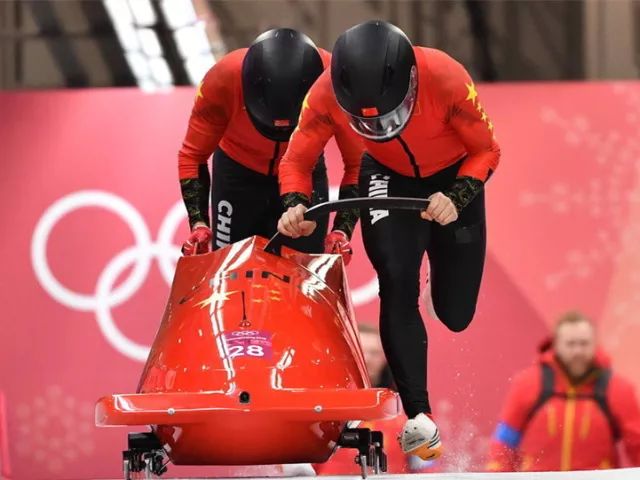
x=256 y=361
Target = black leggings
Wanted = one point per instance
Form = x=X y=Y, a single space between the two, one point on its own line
x=395 y=242
x=246 y=203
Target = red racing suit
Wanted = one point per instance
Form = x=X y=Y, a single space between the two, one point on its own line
x=448 y=123
x=219 y=120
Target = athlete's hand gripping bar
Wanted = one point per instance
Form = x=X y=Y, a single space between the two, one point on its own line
x=382 y=203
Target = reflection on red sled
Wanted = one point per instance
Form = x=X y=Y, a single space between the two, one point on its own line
x=257 y=361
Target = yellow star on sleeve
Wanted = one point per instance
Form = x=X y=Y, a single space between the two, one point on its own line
x=305 y=105
x=479 y=107
x=199 y=91
x=472 y=93
x=490 y=125
x=484 y=116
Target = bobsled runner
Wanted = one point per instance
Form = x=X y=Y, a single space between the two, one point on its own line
x=256 y=361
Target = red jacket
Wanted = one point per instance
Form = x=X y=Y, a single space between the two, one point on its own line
x=219 y=118
x=447 y=123
x=570 y=431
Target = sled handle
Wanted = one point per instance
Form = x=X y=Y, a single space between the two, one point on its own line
x=381 y=203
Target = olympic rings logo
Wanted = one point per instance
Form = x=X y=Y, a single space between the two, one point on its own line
x=106 y=295
x=245 y=333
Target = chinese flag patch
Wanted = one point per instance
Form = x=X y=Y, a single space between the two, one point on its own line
x=369 y=112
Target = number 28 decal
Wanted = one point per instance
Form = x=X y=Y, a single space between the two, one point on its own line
x=251 y=350
x=248 y=343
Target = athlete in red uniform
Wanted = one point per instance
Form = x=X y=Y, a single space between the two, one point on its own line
x=245 y=109
x=426 y=135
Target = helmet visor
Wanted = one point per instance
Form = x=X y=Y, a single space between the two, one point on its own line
x=387 y=126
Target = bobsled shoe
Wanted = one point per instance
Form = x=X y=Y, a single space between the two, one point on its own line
x=420 y=437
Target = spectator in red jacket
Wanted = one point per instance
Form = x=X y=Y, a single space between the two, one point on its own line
x=569 y=411
x=343 y=463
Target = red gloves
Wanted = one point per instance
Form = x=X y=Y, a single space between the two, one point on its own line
x=338 y=242
x=198 y=242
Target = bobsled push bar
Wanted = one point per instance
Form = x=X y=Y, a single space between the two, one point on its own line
x=380 y=203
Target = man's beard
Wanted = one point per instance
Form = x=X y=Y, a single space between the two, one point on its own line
x=578 y=377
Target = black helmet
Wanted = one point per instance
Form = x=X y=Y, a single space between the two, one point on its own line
x=374 y=77
x=277 y=71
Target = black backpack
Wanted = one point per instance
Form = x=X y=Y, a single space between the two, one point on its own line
x=599 y=395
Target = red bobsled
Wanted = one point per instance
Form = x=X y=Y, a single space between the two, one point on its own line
x=256 y=361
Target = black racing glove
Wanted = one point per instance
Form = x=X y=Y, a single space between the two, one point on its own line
x=346 y=220
x=463 y=191
x=195 y=193
x=292 y=199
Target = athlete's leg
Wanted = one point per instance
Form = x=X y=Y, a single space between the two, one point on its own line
x=238 y=200
x=395 y=242
x=456 y=256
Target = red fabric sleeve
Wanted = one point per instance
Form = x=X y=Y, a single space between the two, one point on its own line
x=210 y=115
x=524 y=391
x=326 y=57
x=623 y=402
x=502 y=458
x=352 y=148
x=305 y=145
x=316 y=126
x=472 y=124
x=350 y=145
x=522 y=395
